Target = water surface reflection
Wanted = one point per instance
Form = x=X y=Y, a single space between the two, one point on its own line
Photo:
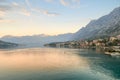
x=49 y=64
x=39 y=59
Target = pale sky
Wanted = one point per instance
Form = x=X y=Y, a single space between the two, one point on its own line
x=51 y=17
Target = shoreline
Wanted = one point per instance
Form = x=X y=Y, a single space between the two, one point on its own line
x=106 y=50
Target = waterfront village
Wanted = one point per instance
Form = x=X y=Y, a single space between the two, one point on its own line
x=109 y=45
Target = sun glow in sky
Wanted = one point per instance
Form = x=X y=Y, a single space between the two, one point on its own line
x=51 y=17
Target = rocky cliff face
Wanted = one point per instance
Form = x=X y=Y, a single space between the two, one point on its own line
x=108 y=25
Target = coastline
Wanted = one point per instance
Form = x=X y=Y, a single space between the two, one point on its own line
x=111 y=51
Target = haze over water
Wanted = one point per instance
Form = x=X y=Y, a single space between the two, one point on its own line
x=57 y=64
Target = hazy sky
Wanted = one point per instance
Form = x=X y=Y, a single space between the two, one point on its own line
x=29 y=17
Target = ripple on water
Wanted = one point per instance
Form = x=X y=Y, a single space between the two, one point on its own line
x=46 y=64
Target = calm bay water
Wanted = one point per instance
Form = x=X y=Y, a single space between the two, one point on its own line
x=57 y=64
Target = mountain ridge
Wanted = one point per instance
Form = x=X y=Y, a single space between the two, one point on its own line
x=98 y=28
x=37 y=40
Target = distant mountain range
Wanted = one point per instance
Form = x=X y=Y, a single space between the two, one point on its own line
x=106 y=26
x=37 y=40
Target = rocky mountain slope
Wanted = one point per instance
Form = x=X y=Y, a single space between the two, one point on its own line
x=108 y=25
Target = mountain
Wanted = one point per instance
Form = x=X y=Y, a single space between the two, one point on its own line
x=108 y=25
x=37 y=40
x=7 y=45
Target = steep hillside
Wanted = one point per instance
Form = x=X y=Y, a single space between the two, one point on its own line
x=108 y=25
